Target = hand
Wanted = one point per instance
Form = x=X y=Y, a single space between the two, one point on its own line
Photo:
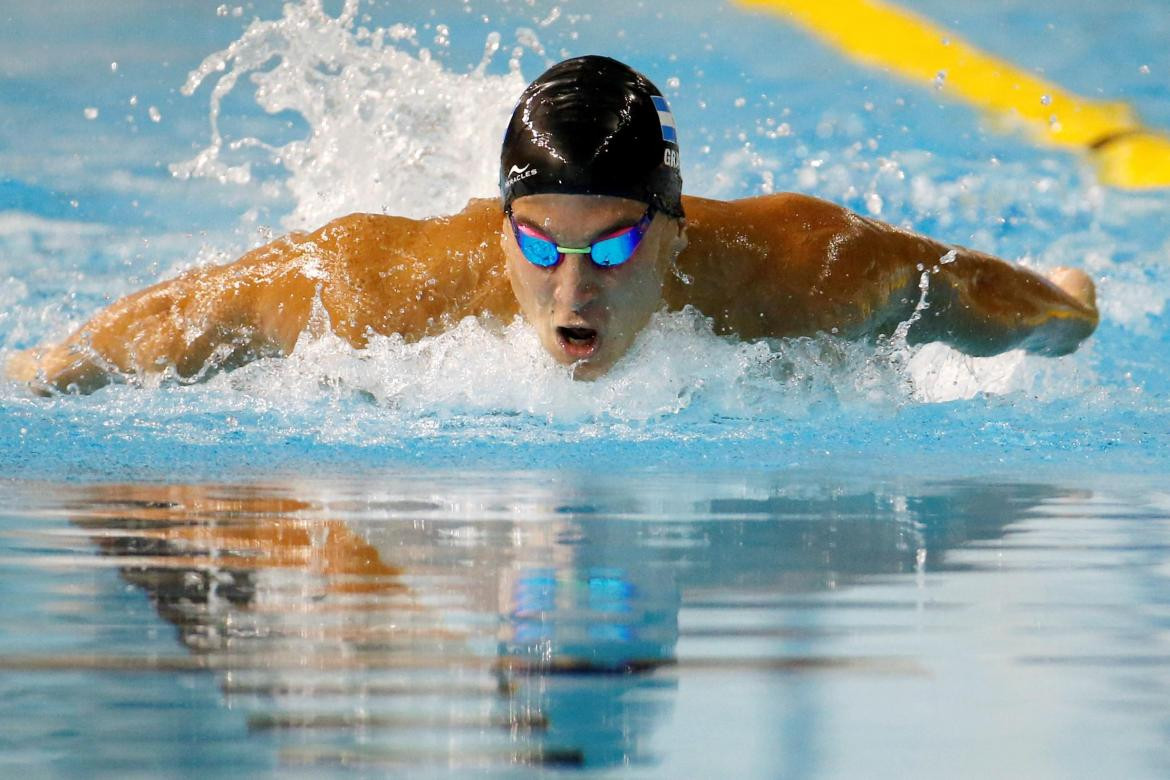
x=1077 y=284
x=22 y=366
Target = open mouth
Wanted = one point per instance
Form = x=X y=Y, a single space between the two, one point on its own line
x=578 y=343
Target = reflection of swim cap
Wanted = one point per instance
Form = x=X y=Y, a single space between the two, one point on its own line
x=592 y=126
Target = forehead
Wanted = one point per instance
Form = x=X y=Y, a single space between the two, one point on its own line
x=570 y=215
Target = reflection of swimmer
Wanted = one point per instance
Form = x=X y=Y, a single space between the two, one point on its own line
x=334 y=659
x=548 y=643
x=590 y=241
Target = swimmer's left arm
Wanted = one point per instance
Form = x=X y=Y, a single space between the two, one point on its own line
x=868 y=277
x=984 y=306
x=977 y=303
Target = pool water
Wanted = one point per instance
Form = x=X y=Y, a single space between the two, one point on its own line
x=796 y=558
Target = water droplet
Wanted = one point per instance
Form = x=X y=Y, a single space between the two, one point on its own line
x=155 y=116
x=113 y=67
x=91 y=112
x=672 y=82
x=1144 y=70
x=740 y=102
x=1046 y=100
x=939 y=78
x=553 y=15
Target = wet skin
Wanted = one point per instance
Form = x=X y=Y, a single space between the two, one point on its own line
x=586 y=315
x=774 y=266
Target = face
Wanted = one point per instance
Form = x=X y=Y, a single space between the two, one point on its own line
x=588 y=316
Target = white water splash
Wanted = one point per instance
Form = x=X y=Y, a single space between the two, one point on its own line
x=678 y=366
x=388 y=131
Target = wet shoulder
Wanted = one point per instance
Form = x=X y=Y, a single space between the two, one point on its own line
x=766 y=234
x=361 y=241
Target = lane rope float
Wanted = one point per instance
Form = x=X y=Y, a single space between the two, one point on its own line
x=1126 y=153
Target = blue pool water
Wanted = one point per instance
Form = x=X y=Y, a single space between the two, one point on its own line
x=807 y=558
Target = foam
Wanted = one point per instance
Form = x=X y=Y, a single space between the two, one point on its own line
x=678 y=368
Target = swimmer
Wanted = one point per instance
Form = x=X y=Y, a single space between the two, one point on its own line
x=591 y=237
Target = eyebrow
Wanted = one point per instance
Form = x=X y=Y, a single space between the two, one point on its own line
x=621 y=224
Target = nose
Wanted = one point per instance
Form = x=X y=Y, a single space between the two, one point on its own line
x=576 y=285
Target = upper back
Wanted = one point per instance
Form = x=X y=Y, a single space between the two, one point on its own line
x=761 y=266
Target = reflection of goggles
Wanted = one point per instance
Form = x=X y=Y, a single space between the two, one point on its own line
x=606 y=252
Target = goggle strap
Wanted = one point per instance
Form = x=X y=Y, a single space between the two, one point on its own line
x=568 y=250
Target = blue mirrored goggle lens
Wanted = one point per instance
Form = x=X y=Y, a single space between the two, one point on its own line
x=607 y=253
x=616 y=250
x=537 y=250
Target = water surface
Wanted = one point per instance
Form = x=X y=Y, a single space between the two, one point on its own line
x=795 y=558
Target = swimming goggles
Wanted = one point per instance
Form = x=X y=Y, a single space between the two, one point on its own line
x=608 y=251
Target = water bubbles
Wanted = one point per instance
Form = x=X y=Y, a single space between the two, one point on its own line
x=782 y=130
x=528 y=38
x=1046 y=100
x=1144 y=70
x=442 y=36
x=154 y=114
x=673 y=82
x=491 y=45
x=113 y=67
x=552 y=17
x=90 y=112
x=939 y=79
x=740 y=102
x=767 y=182
x=489 y=374
x=435 y=132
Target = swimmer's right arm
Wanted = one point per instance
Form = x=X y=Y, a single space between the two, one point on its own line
x=365 y=273
x=204 y=320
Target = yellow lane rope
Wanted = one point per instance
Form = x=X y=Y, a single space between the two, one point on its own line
x=1127 y=154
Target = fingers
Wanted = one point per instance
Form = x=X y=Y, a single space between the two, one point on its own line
x=1076 y=283
x=22 y=366
x=25 y=367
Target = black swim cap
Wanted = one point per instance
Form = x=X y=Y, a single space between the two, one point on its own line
x=592 y=126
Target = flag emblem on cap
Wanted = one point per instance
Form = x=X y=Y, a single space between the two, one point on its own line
x=665 y=118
